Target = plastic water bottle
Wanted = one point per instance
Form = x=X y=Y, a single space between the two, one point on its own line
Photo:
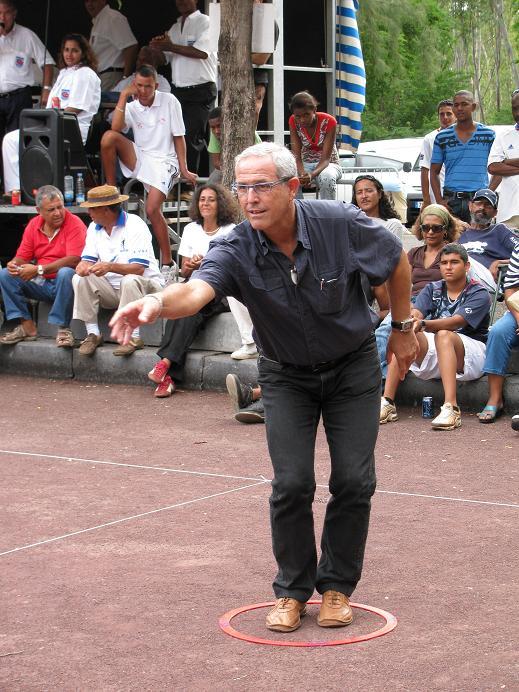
x=68 y=190
x=80 y=189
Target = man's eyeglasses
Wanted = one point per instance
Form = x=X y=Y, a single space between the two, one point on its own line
x=435 y=228
x=242 y=190
x=515 y=91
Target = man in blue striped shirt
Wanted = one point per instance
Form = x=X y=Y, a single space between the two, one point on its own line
x=463 y=149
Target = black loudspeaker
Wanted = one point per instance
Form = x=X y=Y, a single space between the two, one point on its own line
x=50 y=148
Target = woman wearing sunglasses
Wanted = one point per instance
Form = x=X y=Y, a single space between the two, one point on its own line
x=436 y=227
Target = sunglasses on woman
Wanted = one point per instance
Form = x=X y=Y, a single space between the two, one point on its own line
x=434 y=227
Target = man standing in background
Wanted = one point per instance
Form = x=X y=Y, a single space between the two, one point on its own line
x=193 y=73
x=446 y=118
x=113 y=42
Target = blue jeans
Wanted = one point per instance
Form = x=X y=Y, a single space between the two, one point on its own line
x=58 y=292
x=347 y=397
x=502 y=338
x=382 y=334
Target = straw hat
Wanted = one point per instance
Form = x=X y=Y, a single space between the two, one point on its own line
x=103 y=196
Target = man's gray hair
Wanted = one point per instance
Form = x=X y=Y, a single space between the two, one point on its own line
x=48 y=192
x=282 y=158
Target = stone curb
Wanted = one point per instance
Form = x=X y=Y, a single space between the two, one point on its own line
x=208 y=370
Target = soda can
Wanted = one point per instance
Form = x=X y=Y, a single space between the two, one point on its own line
x=427 y=407
x=55 y=102
x=16 y=198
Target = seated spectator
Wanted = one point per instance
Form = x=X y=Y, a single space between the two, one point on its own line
x=451 y=319
x=117 y=266
x=503 y=336
x=77 y=90
x=157 y=155
x=215 y=148
x=368 y=194
x=146 y=56
x=214 y=215
x=436 y=227
x=312 y=141
x=43 y=269
x=487 y=243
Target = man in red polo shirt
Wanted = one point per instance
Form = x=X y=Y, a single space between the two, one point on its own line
x=43 y=269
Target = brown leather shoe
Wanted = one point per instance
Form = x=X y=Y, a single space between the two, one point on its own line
x=89 y=345
x=133 y=345
x=335 y=610
x=286 y=615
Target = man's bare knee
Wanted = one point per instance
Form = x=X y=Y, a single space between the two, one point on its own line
x=110 y=139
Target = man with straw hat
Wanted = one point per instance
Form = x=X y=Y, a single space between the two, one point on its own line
x=117 y=266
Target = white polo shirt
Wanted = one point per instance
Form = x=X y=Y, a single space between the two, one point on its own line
x=154 y=126
x=128 y=243
x=78 y=87
x=195 y=33
x=506 y=146
x=17 y=51
x=110 y=35
x=195 y=240
x=425 y=160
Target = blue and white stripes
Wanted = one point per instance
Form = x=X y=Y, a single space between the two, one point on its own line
x=350 y=76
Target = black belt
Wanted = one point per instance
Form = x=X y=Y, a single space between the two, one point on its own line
x=318 y=367
x=459 y=195
x=111 y=69
x=14 y=91
x=193 y=86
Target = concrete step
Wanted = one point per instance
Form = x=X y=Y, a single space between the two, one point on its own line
x=207 y=369
x=219 y=334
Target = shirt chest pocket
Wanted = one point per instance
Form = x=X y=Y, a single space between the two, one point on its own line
x=331 y=291
x=267 y=280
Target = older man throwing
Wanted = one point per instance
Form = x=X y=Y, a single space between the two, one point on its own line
x=43 y=269
x=297 y=267
x=117 y=266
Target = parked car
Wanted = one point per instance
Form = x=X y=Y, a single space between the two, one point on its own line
x=394 y=162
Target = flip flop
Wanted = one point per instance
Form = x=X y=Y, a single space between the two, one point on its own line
x=490 y=413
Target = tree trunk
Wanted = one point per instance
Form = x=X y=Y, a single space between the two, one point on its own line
x=238 y=114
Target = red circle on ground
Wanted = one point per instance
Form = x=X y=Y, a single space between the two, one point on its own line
x=225 y=625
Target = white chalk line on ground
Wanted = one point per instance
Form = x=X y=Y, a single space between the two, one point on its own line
x=135 y=516
x=261 y=479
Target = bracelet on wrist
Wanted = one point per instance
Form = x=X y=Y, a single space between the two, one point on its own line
x=46 y=88
x=121 y=110
x=158 y=298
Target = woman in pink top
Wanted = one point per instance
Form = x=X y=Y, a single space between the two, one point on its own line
x=312 y=140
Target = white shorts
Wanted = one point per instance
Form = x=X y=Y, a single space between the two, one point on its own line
x=152 y=171
x=473 y=364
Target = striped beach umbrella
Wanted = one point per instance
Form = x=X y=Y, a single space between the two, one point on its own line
x=350 y=76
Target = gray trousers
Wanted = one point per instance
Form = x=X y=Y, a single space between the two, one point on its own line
x=92 y=292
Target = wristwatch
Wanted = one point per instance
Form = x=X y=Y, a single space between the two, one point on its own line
x=40 y=270
x=403 y=326
x=422 y=325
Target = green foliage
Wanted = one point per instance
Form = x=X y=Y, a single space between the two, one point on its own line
x=418 y=52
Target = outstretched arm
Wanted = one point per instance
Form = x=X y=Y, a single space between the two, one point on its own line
x=178 y=300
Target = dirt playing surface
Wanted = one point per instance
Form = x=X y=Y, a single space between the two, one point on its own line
x=130 y=525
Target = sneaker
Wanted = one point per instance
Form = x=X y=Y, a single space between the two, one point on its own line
x=89 y=345
x=449 y=418
x=241 y=394
x=515 y=422
x=133 y=345
x=169 y=273
x=246 y=351
x=388 y=412
x=159 y=372
x=165 y=388
x=255 y=413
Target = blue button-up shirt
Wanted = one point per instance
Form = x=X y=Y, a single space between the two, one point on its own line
x=325 y=314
